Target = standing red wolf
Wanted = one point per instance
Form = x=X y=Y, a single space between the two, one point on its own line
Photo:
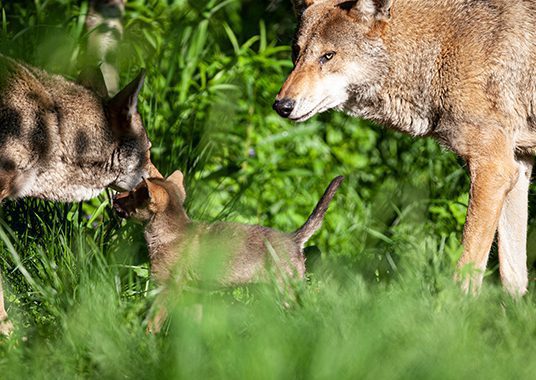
x=461 y=71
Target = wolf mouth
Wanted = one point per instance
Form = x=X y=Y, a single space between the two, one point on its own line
x=323 y=106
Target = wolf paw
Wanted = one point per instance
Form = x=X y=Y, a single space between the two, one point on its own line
x=154 y=326
x=6 y=327
x=469 y=283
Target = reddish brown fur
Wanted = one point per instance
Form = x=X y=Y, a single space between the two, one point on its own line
x=177 y=243
x=461 y=71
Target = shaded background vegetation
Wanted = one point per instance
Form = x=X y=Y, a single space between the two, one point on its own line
x=77 y=276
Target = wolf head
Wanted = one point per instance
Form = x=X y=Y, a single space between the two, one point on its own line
x=132 y=154
x=152 y=196
x=338 y=49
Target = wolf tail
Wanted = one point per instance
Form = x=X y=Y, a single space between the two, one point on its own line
x=314 y=222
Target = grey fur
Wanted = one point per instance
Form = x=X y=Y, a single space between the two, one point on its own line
x=61 y=141
x=64 y=142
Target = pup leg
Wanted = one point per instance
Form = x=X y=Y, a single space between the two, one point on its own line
x=494 y=172
x=513 y=232
x=5 y=325
x=155 y=323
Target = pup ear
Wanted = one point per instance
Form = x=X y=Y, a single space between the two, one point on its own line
x=92 y=78
x=300 y=6
x=158 y=196
x=370 y=9
x=124 y=105
x=178 y=179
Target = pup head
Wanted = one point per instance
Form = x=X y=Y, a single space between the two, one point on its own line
x=338 y=48
x=152 y=196
x=132 y=154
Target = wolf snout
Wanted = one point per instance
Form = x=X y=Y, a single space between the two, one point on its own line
x=284 y=107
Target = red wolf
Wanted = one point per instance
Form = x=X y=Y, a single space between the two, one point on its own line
x=463 y=72
x=174 y=239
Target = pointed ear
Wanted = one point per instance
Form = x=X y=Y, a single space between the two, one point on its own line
x=369 y=9
x=158 y=196
x=92 y=78
x=178 y=179
x=300 y=6
x=126 y=101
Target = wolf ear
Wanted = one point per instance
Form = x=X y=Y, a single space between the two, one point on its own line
x=126 y=101
x=92 y=78
x=178 y=179
x=300 y=6
x=370 y=9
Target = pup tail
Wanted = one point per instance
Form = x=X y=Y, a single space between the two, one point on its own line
x=314 y=222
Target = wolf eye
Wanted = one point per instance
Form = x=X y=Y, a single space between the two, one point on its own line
x=327 y=57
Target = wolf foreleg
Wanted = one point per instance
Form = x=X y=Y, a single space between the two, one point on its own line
x=513 y=232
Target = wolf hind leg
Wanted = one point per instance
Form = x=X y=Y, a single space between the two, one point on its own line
x=6 y=327
x=513 y=232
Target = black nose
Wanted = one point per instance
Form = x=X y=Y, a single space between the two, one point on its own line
x=284 y=107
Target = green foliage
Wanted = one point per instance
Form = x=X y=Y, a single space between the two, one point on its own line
x=380 y=302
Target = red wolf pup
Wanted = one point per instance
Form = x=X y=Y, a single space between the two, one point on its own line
x=461 y=71
x=64 y=142
x=175 y=240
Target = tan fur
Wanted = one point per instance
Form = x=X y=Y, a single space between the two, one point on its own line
x=62 y=141
x=461 y=71
x=512 y=231
x=177 y=243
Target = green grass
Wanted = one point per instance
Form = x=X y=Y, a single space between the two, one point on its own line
x=380 y=302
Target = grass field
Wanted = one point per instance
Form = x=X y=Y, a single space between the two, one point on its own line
x=379 y=302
